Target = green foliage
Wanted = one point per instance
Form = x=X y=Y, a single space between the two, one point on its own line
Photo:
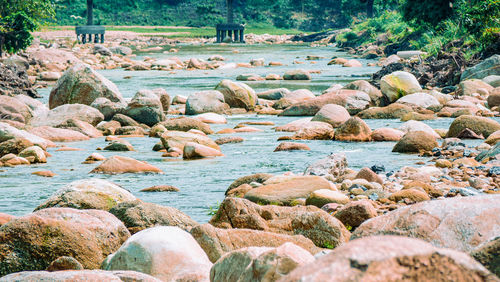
x=426 y=12
x=212 y=210
x=480 y=18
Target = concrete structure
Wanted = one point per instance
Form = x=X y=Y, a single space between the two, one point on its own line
x=90 y=31
x=230 y=30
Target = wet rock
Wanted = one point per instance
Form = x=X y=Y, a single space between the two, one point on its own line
x=332 y=166
x=119 y=164
x=194 y=150
x=35 y=154
x=58 y=134
x=387 y=134
x=437 y=221
x=415 y=142
x=399 y=84
x=287 y=191
x=149 y=250
x=88 y=235
x=259 y=263
x=229 y=140
x=353 y=63
x=315 y=130
x=62 y=113
x=138 y=215
x=297 y=75
x=355 y=213
x=177 y=139
x=365 y=260
x=479 y=125
x=64 y=263
x=146 y=108
x=78 y=275
x=291 y=146
x=237 y=94
x=80 y=84
x=161 y=188
x=488 y=255
x=88 y=194
x=333 y=114
x=44 y=173
x=393 y=111
x=321 y=197
x=211 y=118
x=210 y=101
x=14 y=146
x=119 y=145
x=186 y=124
x=354 y=129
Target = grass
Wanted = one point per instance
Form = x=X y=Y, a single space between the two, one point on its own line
x=183 y=32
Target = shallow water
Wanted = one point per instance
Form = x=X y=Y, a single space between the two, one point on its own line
x=202 y=183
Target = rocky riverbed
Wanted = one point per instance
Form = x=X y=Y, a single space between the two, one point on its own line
x=155 y=160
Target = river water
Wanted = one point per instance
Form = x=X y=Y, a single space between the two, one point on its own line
x=202 y=183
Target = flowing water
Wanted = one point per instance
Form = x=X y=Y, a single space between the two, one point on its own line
x=202 y=183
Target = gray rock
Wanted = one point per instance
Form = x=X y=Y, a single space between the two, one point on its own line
x=146 y=108
x=486 y=68
x=334 y=165
x=210 y=101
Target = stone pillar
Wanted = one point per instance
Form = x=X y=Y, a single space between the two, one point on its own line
x=242 y=36
x=90 y=16
x=236 y=33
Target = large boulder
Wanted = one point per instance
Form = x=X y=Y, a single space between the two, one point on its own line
x=494 y=98
x=488 y=254
x=259 y=263
x=210 y=101
x=387 y=134
x=333 y=166
x=469 y=87
x=146 y=108
x=315 y=130
x=480 y=125
x=81 y=126
x=138 y=215
x=333 y=114
x=216 y=242
x=178 y=139
x=287 y=190
x=194 y=150
x=364 y=86
x=80 y=84
x=415 y=142
x=391 y=258
x=8 y=132
x=247 y=179
x=310 y=221
x=393 y=111
x=58 y=134
x=35 y=154
x=33 y=241
x=14 y=109
x=120 y=164
x=186 y=124
x=237 y=94
x=80 y=275
x=399 y=84
x=297 y=75
x=85 y=194
x=457 y=223
x=490 y=66
x=108 y=108
x=354 y=129
x=422 y=100
x=413 y=125
x=14 y=146
x=59 y=115
x=165 y=252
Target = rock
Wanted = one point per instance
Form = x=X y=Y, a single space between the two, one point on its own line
x=413 y=125
x=494 y=98
x=177 y=139
x=260 y=263
x=161 y=188
x=13 y=160
x=321 y=197
x=88 y=235
x=310 y=221
x=146 y=108
x=138 y=215
x=291 y=146
x=95 y=157
x=273 y=94
x=258 y=178
x=288 y=191
x=165 y=252
x=125 y=120
x=100 y=49
x=387 y=134
x=210 y=101
x=44 y=173
x=8 y=132
x=355 y=213
x=14 y=109
x=333 y=114
x=61 y=114
x=422 y=100
x=369 y=175
x=119 y=145
x=365 y=86
x=121 y=50
x=186 y=124
x=479 y=125
x=399 y=84
x=237 y=94
x=164 y=98
x=179 y=99
x=469 y=134
x=415 y=142
x=80 y=275
x=488 y=154
x=91 y=193
x=437 y=221
x=58 y=134
x=211 y=118
x=83 y=127
x=401 y=259
x=332 y=166
x=417 y=116
x=299 y=95
x=249 y=77
x=488 y=255
x=393 y=111
x=412 y=195
x=491 y=140
x=194 y=150
x=469 y=87
x=14 y=146
x=36 y=154
x=493 y=80
x=108 y=108
x=354 y=129
x=119 y=164
x=315 y=130
x=297 y=75
x=130 y=131
x=429 y=189
x=216 y=242
x=64 y=263
x=4 y=218
x=483 y=69
x=229 y=140
x=80 y=84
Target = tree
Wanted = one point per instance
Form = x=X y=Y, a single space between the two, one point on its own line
x=18 y=18
x=427 y=13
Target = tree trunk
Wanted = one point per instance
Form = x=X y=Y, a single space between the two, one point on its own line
x=90 y=16
x=230 y=15
x=369 y=8
x=1 y=44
